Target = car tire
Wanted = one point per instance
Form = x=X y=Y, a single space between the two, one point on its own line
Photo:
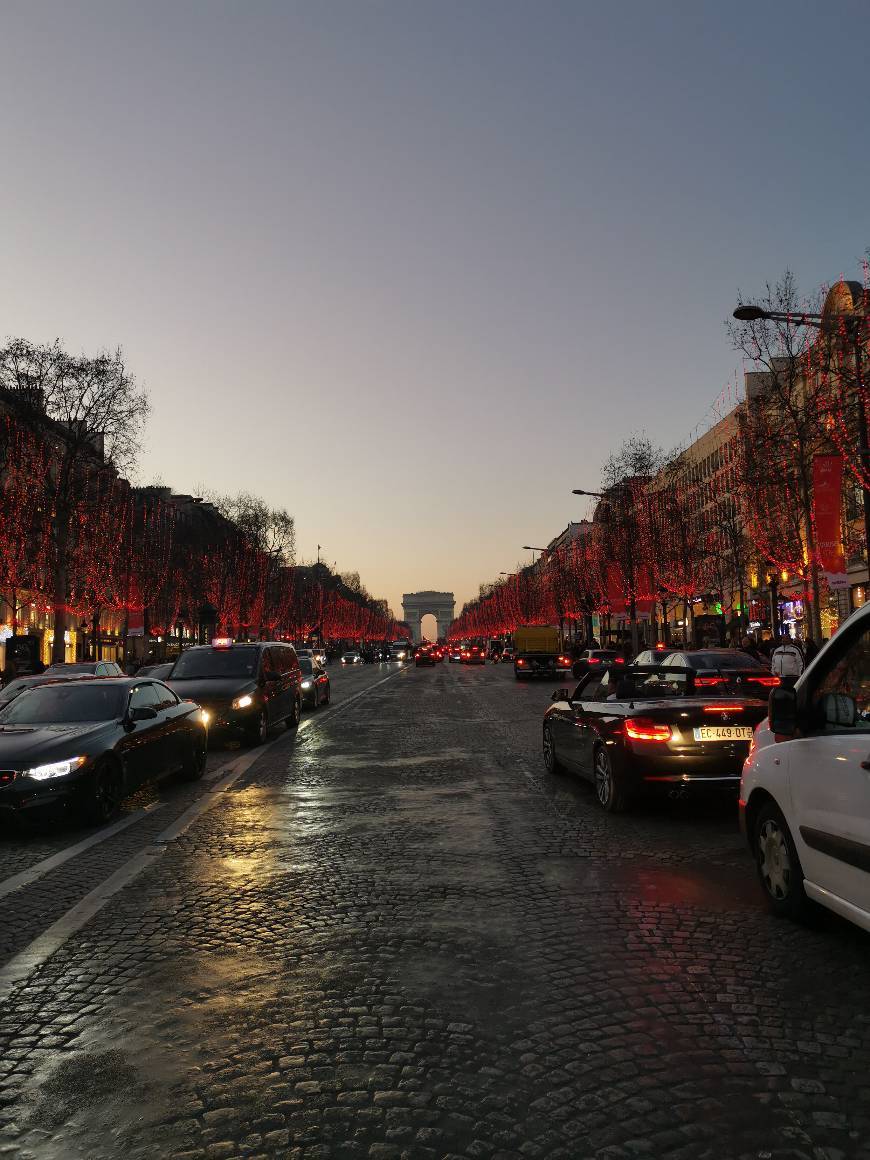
x=552 y=764
x=194 y=763
x=256 y=733
x=107 y=793
x=778 y=864
x=292 y=722
x=609 y=791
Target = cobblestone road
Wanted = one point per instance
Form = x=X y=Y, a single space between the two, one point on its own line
x=395 y=936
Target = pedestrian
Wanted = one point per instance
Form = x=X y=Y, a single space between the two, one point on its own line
x=749 y=646
x=786 y=659
x=811 y=650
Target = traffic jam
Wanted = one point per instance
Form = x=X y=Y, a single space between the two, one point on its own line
x=791 y=753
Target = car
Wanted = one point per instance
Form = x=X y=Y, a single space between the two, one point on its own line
x=726 y=669
x=316 y=689
x=305 y=652
x=594 y=658
x=85 y=745
x=425 y=656
x=85 y=668
x=244 y=687
x=351 y=658
x=400 y=652
x=654 y=656
x=21 y=684
x=161 y=671
x=507 y=655
x=473 y=655
x=454 y=654
x=628 y=730
x=805 y=793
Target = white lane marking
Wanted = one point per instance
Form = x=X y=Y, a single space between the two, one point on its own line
x=38 y=869
x=43 y=946
x=36 y=953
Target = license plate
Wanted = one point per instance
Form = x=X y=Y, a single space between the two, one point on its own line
x=723 y=733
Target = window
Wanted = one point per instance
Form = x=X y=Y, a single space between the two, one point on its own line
x=144 y=697
x=165 y=696
x=59 y=704
x=847 y=676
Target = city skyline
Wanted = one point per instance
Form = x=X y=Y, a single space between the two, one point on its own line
x=413 y=273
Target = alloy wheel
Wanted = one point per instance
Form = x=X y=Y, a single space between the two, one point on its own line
x=107 y=794
x=549 y=750
x=603 y=778
x=774 y=861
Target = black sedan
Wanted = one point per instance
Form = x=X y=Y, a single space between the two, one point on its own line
x=86 y=745
x=425 y=656
x=85 y=668
x=724 y=670
x=315 y=683
x=595 y=659
x=642 y=727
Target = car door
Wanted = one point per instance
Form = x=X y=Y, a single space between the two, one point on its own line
x=177 y=726
x=576 y=743
x=829 y=771
x=277 y=682
x=144 y=747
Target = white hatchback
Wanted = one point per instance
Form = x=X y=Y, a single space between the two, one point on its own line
x=805 y=793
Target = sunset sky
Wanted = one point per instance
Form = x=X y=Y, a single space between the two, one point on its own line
x=413 y=269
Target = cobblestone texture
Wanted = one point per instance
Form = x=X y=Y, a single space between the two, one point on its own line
x=397 y=937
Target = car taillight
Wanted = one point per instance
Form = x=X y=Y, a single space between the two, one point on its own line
x=619 y=661
x=594 y=661
x=723 y=708
x=767 y=682
x=708 y=682
x=645 y=729
x=564 y=661
x=521 y=661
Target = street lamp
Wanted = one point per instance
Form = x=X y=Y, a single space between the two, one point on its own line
x=852 y=324
x=529 y=548
x=581 y=491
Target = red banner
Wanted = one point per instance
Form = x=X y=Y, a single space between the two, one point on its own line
x=827 y=504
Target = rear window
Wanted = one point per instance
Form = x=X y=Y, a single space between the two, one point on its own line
x=201 y=664
x=723 y=660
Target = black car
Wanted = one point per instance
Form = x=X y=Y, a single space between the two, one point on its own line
x=85 y=669
x=654 y=656
x=88 y=744
x=725 y=670
x=315 y=683
x=244 y=688
x=595 y=659
x=21 y=684
x=159 y=672
x=425 y=656
x=641 y=727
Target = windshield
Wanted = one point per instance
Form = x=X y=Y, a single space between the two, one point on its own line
x=723 y=660
x=61 y=704
x=216 y=662
x=638 y=685
x=14 y=688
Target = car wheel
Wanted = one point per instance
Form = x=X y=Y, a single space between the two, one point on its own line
x=294 y=718
x=194 y=765
x=107 y=792
x=611 y=795
x=257 y=732
x=778 y=864
x=551 y=761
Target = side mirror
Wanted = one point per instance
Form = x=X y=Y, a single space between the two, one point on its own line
x=839 y=710
x=782 y=712
x=143 y=713
x=561 y=695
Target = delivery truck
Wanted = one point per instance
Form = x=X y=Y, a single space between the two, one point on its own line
x=538 y=651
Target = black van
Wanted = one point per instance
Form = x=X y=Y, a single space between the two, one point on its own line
x=243 y=687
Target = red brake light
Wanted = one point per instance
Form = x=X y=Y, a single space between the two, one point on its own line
x=521 y=661
x=705 y=682
x=594 y=660
x=619 y=661
x=645 y=729
x=767 y=682
x=660 y=647
x=723 y=708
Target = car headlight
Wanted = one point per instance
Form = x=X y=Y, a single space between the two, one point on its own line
x=243 y=702
x=205 y=716
x=306 y=684
x=55 y=769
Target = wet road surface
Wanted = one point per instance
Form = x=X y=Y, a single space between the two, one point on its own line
x=393 y=935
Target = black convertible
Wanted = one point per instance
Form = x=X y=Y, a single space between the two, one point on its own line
x=630 y=728
x=87 y=744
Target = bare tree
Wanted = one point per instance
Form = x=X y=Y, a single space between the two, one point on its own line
x=94 y=414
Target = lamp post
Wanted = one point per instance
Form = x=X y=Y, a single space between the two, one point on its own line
x=529 y=548
x=852 y=325
x=607 y=498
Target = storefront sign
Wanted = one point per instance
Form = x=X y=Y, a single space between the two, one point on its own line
x=827 y=502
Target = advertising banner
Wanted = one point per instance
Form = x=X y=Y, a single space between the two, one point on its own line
x=827 y=504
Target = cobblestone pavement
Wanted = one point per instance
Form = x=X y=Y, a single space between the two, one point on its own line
x=396 y=936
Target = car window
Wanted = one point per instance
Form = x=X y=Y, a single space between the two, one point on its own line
x=165 y=695
x=846 y=675
x=591 y=688
x=644 y=658
x=144 y=697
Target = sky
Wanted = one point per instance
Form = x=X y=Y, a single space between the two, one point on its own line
x=413 y=269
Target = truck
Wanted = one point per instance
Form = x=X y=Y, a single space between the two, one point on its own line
x=538 y=651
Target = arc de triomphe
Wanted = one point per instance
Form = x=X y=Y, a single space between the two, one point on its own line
x=416 y=605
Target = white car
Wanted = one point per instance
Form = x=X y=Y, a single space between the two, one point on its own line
x=351 y=658
x=805 y=791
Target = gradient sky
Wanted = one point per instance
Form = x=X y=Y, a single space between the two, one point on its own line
x=412 y=269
